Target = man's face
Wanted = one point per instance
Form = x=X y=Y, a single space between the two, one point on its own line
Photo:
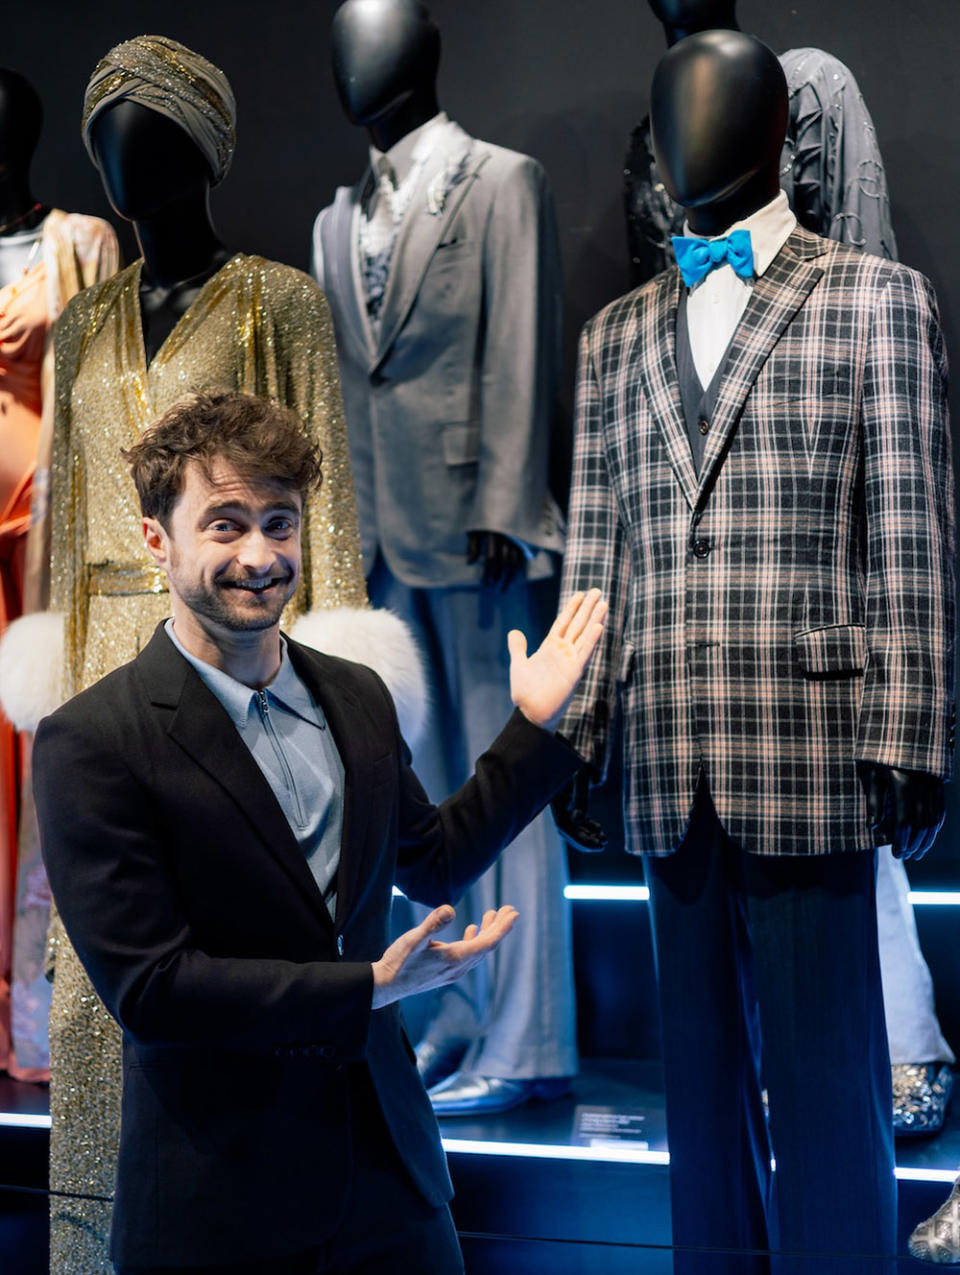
x=232 y=549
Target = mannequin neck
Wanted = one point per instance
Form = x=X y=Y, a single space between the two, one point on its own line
x=716 y=218
x=18 y=209
x=394 y=125
x=179 y=243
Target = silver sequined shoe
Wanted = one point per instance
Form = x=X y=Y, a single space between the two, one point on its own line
x=938 y=1238
x=921 y=1092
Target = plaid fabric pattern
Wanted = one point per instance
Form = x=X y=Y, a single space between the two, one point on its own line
x=791 y=608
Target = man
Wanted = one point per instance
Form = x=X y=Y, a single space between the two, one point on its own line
x=223 y=821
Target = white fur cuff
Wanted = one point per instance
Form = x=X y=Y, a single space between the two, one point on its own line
x=31 y=668
x=380 y=640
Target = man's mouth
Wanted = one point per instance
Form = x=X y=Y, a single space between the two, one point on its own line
x=255 y=586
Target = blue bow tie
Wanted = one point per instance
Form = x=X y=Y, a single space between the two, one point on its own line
x=697 y=257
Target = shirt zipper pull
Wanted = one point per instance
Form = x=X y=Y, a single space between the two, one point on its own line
x=264 y=707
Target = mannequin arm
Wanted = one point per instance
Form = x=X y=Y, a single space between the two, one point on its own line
x=520 y=368
x=576 y=827
x=905 y=806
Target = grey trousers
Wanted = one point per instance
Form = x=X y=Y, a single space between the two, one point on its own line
x=517 y=1010
x=912 y=1027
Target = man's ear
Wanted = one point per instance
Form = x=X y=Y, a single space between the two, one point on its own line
x=156 y=540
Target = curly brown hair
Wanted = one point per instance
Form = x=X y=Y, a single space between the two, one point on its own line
x=258 y=437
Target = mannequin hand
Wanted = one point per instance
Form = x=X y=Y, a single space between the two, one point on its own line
x=502 y=557
x=417 y=962
x=576 y=827
x=906 y=806
x=542 y=684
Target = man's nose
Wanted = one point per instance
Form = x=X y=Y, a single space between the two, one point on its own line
x=257 y=551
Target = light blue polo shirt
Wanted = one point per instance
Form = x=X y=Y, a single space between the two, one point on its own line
x=287 y=733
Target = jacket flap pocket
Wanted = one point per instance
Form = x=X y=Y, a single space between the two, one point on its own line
x=836 y=649
x=461 y=442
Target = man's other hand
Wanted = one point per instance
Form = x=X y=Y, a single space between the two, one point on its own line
x=417 y=962
x=542 y=684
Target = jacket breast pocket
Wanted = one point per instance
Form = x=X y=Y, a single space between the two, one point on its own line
x=834 y=651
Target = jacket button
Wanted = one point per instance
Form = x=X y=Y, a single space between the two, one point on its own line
x=340 y=945
x=704 y=425
x=701 y=548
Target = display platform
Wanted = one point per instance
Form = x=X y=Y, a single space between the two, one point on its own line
x=577 y=1186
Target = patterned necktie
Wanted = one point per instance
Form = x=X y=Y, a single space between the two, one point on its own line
x=697 y=257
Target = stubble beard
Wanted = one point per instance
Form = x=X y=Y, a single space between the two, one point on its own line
x=216 y=605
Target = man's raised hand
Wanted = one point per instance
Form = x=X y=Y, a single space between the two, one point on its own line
x=417 y=962
x=542 y=684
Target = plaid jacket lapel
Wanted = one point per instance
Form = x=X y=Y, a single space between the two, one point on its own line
x=776 y=298
x=657 y=360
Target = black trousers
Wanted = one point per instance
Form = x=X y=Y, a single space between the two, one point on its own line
x=387 y=1227
x=769 y=967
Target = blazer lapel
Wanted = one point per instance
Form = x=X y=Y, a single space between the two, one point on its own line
x=198 y=723
x=775 y=299
x=656 y=356
x=340 y=270
x=419 y=236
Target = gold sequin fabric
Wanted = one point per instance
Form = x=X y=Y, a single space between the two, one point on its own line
x=258 y=326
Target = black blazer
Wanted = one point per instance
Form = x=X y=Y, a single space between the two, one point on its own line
x=243 y=1007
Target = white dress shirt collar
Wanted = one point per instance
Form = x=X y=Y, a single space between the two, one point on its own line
x=770 y=227
x=716 y=304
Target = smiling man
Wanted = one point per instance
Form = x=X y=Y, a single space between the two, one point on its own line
x=223 y=821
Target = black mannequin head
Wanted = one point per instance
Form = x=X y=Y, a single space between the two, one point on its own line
x=147 y=161
x=21 y=119
x=386 y=54
x=681 y=18
x=718 y=112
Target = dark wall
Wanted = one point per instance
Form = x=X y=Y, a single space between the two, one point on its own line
x=560 y=79
x=563 y=80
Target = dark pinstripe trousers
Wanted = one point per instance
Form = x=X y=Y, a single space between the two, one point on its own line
x=769 y=974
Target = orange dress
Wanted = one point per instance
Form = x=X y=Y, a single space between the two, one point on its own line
x=23 y=333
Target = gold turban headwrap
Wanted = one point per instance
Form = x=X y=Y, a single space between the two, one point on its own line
x=167 y=77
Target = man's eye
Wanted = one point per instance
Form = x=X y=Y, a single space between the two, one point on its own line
x=221 y=526
x=280 y=526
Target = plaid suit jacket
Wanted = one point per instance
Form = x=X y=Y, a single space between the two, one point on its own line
x=791 y=608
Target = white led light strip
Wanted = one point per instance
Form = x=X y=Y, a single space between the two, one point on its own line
x=640 y=894
x=611 y=1154
x=17 y=1120
x=625 y=1155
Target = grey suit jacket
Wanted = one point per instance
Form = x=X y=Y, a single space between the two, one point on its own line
x=450 y=409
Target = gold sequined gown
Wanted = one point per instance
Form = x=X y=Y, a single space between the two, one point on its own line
x=257 y=326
